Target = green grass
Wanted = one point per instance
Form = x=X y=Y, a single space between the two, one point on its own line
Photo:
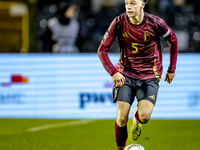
x=96 y=135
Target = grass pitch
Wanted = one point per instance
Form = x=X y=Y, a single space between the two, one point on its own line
x=64 y=134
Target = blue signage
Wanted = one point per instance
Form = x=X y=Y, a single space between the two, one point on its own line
x=75 y=86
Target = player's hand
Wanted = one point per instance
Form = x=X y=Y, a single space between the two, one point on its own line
x=118 y=79
x=169 y=77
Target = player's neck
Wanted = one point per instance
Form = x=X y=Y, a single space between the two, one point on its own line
x=137 y=19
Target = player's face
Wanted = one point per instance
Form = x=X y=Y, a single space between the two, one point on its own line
x=133 y=7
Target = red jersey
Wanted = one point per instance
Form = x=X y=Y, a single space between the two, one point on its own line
x=141 y=54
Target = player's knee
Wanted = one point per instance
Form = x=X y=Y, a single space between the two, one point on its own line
x=144 y=117
x=122 y=121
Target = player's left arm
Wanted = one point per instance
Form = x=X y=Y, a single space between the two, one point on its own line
x=173 y=50
x=170 y=36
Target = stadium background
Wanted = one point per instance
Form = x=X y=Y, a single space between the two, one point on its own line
x=39 y=84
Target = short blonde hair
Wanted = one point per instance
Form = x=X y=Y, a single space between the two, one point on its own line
x=146 y=1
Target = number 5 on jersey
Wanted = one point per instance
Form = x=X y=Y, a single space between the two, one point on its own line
x=134 y=46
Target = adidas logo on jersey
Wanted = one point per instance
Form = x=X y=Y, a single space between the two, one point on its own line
x=125 y=34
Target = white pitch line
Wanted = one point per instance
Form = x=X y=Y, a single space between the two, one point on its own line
x=50 y=126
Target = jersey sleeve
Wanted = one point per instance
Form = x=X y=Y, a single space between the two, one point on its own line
x=105 y=45
x=167 y=33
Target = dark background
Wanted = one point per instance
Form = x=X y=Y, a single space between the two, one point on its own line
x=183 y=16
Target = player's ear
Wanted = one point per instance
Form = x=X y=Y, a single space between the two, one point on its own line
x=143 y=4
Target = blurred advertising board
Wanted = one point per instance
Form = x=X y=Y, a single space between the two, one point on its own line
x=75 y=86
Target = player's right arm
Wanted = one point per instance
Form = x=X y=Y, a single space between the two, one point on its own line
x=105 y=45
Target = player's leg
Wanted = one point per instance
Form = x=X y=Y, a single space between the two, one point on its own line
x=145 y=108
x=121 y=133
x=123 y=109
x=124 y=98
x=146 y=96
x=141 y=116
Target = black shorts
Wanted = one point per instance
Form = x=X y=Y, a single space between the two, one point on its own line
x=141 y=89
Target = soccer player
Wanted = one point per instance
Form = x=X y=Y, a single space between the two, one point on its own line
x=140 y=65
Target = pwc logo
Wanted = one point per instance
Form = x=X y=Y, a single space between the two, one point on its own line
x=87 y=97
x=15 y=79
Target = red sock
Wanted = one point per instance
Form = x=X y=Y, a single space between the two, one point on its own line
x=121 y=136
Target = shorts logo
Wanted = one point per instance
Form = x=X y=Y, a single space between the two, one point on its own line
x=115 y=93
x=146 y=36
x=152 y=97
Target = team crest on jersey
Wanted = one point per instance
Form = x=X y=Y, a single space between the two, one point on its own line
x=105 y=35
x=146 y=36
